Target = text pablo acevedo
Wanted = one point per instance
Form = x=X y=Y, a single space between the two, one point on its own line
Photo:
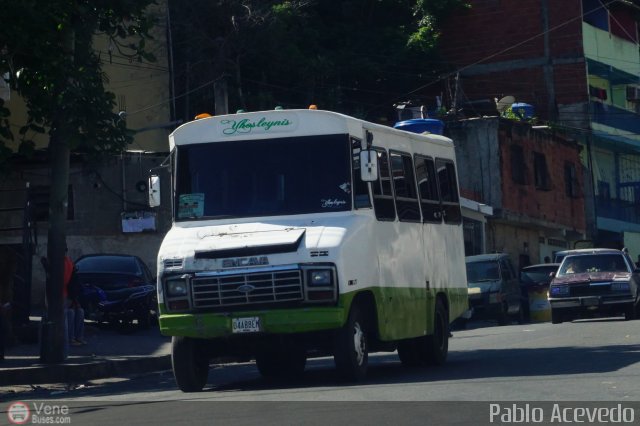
x=559 y=413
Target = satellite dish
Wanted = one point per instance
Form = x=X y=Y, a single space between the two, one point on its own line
x=504 y=103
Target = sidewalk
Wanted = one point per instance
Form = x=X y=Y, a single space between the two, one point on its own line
x=107 y=353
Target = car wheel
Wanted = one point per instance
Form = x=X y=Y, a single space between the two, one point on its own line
x=503 y=315
x=351 y=351
x=190 y=364
x=556 y=316
x=630 y=313
x=519 y=316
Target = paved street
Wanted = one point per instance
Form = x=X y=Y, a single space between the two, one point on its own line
x=585 y=363
x=587 y=360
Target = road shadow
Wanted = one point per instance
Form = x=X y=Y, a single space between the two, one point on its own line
x=468 y=365
x=462 y=365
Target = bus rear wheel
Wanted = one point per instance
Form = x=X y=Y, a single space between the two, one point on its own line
x=351 y=351
x=437 y=344
x=190 y=364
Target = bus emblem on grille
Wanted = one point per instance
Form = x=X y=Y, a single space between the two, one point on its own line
x=245 y=261
x=246 y=288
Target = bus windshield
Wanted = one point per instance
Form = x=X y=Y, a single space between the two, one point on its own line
x=268 y=177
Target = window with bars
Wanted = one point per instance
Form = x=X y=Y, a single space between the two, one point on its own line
x=541 y=172
x=518 y=167
x=570 y=180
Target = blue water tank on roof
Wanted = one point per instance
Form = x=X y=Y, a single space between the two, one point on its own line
x=421 y=125
x=522 y=110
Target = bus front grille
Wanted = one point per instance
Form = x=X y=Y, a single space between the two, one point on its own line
x=262 y=288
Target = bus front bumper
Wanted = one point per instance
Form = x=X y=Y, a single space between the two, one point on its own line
x=273 y=321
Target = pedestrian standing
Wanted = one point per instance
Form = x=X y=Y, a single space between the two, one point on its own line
x=71 y=290
x=74 y=311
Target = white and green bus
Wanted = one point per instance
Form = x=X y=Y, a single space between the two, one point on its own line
x=299 y=233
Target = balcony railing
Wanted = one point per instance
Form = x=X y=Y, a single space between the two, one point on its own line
x=618 y=209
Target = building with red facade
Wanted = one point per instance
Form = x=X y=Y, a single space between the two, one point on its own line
x=577 y=64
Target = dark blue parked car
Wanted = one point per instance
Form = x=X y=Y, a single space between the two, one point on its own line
x=118 y=289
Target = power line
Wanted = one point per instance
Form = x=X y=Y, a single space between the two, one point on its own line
x=459 y=70
x=209 y=83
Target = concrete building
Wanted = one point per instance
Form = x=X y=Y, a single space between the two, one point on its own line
x=107 y=212
x=532 y=180
x=107 y=207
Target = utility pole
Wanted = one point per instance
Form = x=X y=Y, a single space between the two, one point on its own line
x=53 y=343
x=221 y=97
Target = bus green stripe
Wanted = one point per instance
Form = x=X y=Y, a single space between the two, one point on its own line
x=402 y=312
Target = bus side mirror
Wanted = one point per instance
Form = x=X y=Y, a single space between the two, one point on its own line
x=368 y=165
x=154 y=191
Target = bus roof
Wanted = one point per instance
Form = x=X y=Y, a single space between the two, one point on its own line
x=282 y=123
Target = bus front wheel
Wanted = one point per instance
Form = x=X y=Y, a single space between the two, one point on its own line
x=190 y=364
x=351 y=351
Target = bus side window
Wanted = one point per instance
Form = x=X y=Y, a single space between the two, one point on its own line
x=428 y=190
x=382 y=195
x=361 y=198
x=404 y=185
x=448 y=186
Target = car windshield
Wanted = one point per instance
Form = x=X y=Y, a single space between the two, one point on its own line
x=483 y=271
x=537 y=274
x=268 y=177
x=593 y=263
x=109 y=264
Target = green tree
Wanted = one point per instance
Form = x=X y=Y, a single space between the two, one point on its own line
x=351 y=56
x=46 y=47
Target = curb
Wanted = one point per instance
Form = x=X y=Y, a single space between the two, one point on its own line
x=75 y=373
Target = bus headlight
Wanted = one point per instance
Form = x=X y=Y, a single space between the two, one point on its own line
x=176 y=287
x=319 y=277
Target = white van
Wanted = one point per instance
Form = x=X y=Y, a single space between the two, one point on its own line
x=301 y=232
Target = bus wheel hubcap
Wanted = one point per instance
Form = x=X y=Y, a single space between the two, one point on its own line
x=359 y=343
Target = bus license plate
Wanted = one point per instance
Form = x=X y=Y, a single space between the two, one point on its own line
x=245 y=325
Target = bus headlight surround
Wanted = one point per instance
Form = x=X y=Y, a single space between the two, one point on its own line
x=176 y=287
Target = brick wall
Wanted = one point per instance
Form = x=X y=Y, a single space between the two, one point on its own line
x=570 y=81
x=499 y=46
x=552 y=205
x=490 y=27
